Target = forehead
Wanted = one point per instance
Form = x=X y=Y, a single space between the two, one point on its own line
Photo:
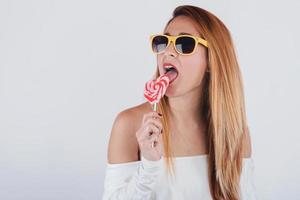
x=181 y=24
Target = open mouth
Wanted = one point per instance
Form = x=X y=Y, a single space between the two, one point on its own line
x=171 y=72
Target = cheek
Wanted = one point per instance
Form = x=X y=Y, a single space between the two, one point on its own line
x=194 y=67
x=159 y=62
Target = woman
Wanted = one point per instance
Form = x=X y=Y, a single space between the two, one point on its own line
x=202 y=145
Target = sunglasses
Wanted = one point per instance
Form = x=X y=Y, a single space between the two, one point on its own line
x=183 y=44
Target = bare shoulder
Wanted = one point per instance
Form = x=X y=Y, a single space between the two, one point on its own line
x=123 y=146
x=247 y=144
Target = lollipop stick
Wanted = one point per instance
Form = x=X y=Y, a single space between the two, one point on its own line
x=155 y=106
x=154 y=109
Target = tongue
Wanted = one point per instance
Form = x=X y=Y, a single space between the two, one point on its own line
x=172 y=75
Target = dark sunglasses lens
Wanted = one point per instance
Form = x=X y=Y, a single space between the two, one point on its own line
x=185 y=45
x=159 y=43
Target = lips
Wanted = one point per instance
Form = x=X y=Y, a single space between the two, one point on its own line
x=171 y=71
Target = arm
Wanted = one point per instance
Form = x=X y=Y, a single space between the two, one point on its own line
x=132 y=180
x=126 y=176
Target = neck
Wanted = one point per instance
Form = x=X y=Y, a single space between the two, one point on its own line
x=185 y=110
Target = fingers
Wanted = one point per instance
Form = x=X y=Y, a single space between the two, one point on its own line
x=149 y=136
x=151 y=125
x=156 y=122
x=152 y=114
x=154 y=139
x=152 y=129
x=148 y=131
x=154 y=118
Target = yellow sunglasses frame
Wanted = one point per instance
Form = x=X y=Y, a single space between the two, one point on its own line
x=173 y=39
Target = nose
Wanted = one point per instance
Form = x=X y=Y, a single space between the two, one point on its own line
x=170 y=50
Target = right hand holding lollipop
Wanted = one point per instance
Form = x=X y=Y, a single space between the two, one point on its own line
x=154 y=91
x=151 y=128
x=148 y=136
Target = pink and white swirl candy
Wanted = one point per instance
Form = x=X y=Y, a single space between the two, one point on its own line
x=156 y=89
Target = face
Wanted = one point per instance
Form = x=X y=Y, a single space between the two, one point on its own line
x=191 y=68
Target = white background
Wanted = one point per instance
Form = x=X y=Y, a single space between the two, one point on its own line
x=68 y=67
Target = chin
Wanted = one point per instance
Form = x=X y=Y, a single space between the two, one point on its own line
x=177 y=92
x=170 y=93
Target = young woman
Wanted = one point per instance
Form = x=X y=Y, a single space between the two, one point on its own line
x=202 y=144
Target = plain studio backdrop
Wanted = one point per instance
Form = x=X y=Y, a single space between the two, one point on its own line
x=67 y=68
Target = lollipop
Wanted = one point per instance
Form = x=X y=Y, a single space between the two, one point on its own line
x=156 y=89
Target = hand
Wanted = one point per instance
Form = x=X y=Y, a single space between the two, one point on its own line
x=149 y=136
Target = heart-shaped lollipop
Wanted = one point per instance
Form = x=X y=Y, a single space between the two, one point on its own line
x=156 y=89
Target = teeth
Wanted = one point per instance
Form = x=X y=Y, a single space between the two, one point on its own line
x=169 y=66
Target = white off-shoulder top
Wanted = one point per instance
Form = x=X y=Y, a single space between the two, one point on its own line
x=147 y=179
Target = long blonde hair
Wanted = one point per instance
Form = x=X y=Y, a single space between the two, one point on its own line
x=223 y=106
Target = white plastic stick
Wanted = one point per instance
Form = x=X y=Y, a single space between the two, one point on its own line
x=154 y=109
